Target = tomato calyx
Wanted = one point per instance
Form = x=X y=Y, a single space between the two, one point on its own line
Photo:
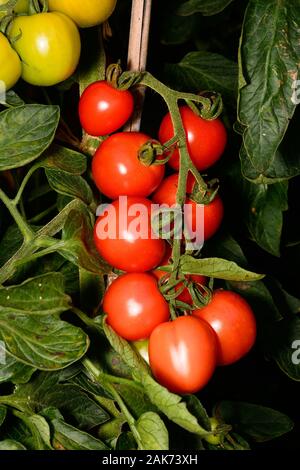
x=119 y=79
x=209 y=106
x=206 y=196
x=34 y=7
x=151 y=152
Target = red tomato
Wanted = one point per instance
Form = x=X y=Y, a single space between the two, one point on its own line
x=117 y=170
x=185 y=295
x=206 y=139
x=213 y=212
x=183 y=354
x=103 y=109
x=124 y=238
x=234 y=323
x=135 y=306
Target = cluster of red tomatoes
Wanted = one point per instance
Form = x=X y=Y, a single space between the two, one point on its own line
x=183 y=353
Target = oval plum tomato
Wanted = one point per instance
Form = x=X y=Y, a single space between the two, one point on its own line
x=103 y=109
x=213 y=212
x=185 y=295
x=117 y=170
x=234 y=323
x=206 y=139
x=183 y=354
x=85 y=13
x=135 y=306
x=124 y=238
x=49 y=46
x=10 y=64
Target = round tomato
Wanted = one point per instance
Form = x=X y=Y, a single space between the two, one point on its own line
x=142 y=346
x=103 y=109
x=135 y=306
x=185 y=295
x=234 y=323
x=85 y=13
x=182 y=354
x=124 y=238
x=206 y=140
x=213 y=212
x=49 y=47
x=10 y=64
x=117 y=170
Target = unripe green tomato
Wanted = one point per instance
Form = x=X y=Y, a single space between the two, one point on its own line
x=10 y=64
x=142 y=348
x=48 y=45
x=214 y=440
x=85 y=13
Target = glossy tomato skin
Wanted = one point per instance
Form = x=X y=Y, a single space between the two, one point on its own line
x=10 y=64
x=135 y=306
x=182 y=354
x=234 y=323
x=103 y=109
x=85 y=13
x=127 y=249
x=206 y=139
x=185 y=295
x=117 y=170
x=213 y=212
x=49 y=46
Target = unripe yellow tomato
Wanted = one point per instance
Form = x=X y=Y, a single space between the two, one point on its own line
x=48 y=45
x=85 y=13
x=10 y=64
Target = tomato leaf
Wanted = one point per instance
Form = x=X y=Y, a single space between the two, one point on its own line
x=69 y=185
x=217 y=268
x=10 y=444
x=269 y=65
x=43 y=295
x=70 y=438
x=136 y=400
x=25 y=133
x=62 y=158
x=153 y=432
x=3 y=411
x=206 y=7
x=258 y=422
x=15 y=371
x=197 y=409
x=12 y=99
x=199 y=71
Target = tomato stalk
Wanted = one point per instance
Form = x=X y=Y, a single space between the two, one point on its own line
x=23 y=226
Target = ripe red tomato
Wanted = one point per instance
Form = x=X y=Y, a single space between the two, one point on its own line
x=213 y=212
x=234 y=323
x=185 y=295
x=124 y=238
x=183 y=354
x=117 y=170
x=135 y=306
x=103 y=109
x=206 y=139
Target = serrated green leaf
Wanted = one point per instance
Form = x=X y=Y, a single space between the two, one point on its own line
x=12 y=99
x=258 y=422
x=269 y=65
x=69 y=185
x=25 y=133
x=197 y=409
x=217 y=268
x=42 y=295
x=43 y=342
x=153 y=432
x=10 y=444
x=206 y=7
x=65 y=159
x=71 y=438
x=39 y=430
x=136 y=400
x=199 y=71
x=15 y=371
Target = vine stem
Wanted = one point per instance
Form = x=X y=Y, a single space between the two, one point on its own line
x=100 y=377
x=26 y=231
x=26 y=178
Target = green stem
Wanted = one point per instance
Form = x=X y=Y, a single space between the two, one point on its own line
x=84 y=317
x=16 y=200
x=43 y=214
x=26 y=231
